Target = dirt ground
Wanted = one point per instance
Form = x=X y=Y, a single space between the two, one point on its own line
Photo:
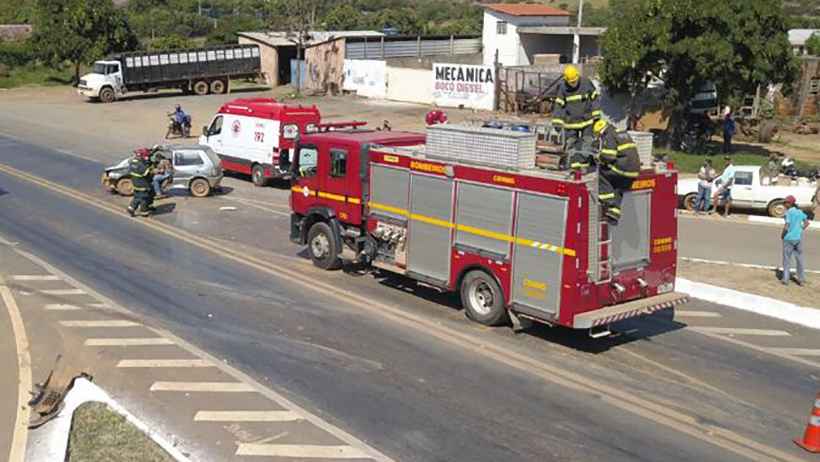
x=752 y=280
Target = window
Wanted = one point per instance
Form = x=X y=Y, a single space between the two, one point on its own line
x=183 y=58
x=220 y=55
x=192 y=57
x=814 y=86
x=308 y=159
x=145 y=61
x=112 y=69
x=743 y=178
x=501 y=28
x=163 y=59
x=201 y=57
x=173 y=58
x=154 y=60
x=211 y=55
x=228 y=54
x=216 y=127
x=246 y=52
x=184 y=158
x=129 y=62
x=338 y=163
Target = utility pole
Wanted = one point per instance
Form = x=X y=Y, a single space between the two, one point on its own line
x=576 y=38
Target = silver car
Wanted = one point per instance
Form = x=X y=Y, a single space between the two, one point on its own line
x=196 y=168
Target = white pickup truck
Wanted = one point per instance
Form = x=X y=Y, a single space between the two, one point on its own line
x=750 y=192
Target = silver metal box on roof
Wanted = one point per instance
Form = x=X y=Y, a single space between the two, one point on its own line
x=488 y=146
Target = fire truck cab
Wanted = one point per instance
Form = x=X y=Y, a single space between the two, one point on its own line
x=516 y=241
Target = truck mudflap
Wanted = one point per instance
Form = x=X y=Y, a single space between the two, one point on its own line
x=628 y=310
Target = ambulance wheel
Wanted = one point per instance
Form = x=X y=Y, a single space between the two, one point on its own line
x=322 y=247
x=125 y=187
x=258 y=175
x=483 y=299
x=201 y=88
x=218 y=87
x=200 y=188
x=689 y=202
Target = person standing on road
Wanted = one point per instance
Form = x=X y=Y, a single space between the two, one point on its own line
x=724 y=191
x=796 y=222
x=706 y=175
x=729 y=129
x=139 y=168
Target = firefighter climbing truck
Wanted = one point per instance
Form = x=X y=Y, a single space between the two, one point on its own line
x=465 y=209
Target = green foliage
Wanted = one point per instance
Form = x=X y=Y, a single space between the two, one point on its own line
x=34 y=74
x=171 y=42
x=16 y=53
x=16 y=11
x=813 y=45
x=343 y=17
x=737 y=44
x=80 y=31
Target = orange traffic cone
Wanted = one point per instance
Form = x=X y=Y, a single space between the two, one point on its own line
x=811 y=440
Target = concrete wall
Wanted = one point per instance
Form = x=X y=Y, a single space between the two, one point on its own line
x=427 y=61
x=365 y=77
x=509 y=44
x=410 y=85
x=270 y=60
x=324 y=65
x=533 y=44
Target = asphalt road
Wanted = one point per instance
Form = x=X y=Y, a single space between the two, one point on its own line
x=413 y=392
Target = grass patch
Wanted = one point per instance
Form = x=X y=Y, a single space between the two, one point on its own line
x=35 y=75
x=690 y=163
x=98 y=434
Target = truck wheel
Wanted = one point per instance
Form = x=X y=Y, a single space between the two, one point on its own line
x=125 y=187
x=201 y=88
x=777 y=208
x=483 y=299
x=322 y=247
x=258 y=175
x=218 y=87
x=107 y=95
x=200 y=188
x=689 y=201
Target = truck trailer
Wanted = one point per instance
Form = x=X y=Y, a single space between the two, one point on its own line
x=198 y=70
x=517 y=242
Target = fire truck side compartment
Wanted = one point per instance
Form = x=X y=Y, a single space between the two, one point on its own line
x=630 y=239
x=486 y=208
x=389 y=188
x=429 y=235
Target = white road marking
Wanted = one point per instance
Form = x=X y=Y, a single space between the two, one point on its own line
x=19 y=439
x=697 y=314
x=219 y=387
x=147 y=363
x=302 y=451
x=795 y=351
x=62 y=307
x=97 y=305
x=149 y=341
x=247 y=416
x=36 y=277
x=109 y=323
x=63 y=292
x=738 y=331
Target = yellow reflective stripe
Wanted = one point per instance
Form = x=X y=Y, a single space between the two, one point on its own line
x=333 y=197
x=574 y=98
x=354 y=200
x=594 y=95
x=579 y=125
x=606 y=196
x=472 y=230
x=301 y=190
x=623 y=173
x=609 y=152
x=578 y=165
x=558 y=121
x=625 y=146
x=596 y=113
x=327 y=195
x=561 y=101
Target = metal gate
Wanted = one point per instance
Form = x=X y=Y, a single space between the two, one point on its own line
x=429 y=247
x=540 y=222
x=630 y=239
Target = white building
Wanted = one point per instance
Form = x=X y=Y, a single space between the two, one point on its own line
x=517 y=32
x=798 y=38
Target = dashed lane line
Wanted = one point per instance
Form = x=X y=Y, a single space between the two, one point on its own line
x=62 y=307
x=109 y=323
x=148 y=341
x=163 y=363
x=301 y=451
x=63 y=292
x=696 y=314
x=35 y=277
x=218 y=387
x=247 y=416
x=796 y=351
x=740 y=331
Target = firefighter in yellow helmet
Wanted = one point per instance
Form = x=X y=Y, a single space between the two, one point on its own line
x=618 y=166
x=576 y=109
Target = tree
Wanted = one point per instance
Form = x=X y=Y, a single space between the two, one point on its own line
x=813 y=45
x=738 y=44
x=171 y=42
x=343 y=17
x=80 y=31
x=299 y=18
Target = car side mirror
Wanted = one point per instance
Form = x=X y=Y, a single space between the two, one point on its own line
x=205 y=131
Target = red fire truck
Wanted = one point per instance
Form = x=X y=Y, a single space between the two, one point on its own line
x=517 y=242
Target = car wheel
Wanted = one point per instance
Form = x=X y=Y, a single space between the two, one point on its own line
x=125 y=187
x=689 y=202
x=322 y=247
x=107 y=95
x=200 y=188
x=201 y=88
x=258 y=175
x=777 y=208
x=483 y=299
x=218 y=87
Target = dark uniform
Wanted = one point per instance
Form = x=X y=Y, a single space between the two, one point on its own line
x=619 y=165
x=140 y=171
x=576 y=110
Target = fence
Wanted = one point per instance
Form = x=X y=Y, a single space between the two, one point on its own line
x=404 y=47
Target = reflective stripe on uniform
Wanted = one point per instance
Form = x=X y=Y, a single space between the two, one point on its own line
x=596 y=113
x=614 y=210
x=579 y=125
x=625 y=146
x=604 y=197
x=578 y=165
x=609 y=152
x=561 y=101
x=558 y=121
x=623 y=173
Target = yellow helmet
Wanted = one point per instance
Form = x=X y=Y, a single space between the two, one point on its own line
x=572 y=75
x=599 y=126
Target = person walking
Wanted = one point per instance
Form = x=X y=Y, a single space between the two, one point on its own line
x=796 y=222
x=729 y=129
x=724 y=191
x=706 y=175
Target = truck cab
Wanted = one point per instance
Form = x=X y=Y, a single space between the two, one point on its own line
x=105 y=81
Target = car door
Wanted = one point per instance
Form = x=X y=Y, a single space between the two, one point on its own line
x=213 y=135
x=743 y=189
x=336 y=189
x=306 y=178
x=187 y=163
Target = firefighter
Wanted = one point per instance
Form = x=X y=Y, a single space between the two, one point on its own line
x=576 y=109
x=139 y=168
x=618 y=166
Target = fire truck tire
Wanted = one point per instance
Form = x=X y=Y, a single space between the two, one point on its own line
x=322 y=246
x=483 y=299
x=258 y=175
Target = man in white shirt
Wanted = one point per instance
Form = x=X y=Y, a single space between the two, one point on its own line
x=706 y=175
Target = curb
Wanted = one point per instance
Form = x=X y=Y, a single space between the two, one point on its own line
x=813 y=224
x=784 y=311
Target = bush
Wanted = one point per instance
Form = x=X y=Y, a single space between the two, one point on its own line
x=14 y=54
x=813 y=45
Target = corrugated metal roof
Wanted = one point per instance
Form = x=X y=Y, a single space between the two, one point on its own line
x=798 y=37
x=561 y=30
x=284 y=39
x=525 y=9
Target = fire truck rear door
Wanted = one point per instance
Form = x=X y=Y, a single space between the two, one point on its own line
x=429 y=235
x=538 y=258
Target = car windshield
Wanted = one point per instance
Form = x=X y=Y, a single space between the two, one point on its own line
x=99 y=68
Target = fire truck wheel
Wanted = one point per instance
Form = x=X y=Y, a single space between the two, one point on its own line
x=322 y=247
x=483 y=299
x=258 y=175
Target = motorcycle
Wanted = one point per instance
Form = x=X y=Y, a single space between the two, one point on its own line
x=182 y=130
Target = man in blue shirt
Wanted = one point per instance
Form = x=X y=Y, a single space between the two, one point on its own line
x=724 y=190
x=796 y=222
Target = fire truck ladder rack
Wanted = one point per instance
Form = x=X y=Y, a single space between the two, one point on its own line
x=604 y=253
